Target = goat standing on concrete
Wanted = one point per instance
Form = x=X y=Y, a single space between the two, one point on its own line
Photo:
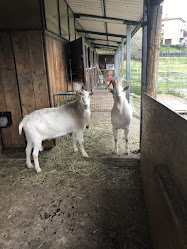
x=121 y=113
x=50 y=123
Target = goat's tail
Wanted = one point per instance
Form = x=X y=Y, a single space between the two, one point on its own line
x=21 y=124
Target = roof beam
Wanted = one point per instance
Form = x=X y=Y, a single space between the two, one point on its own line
x=106 y=19
x=100 y=33
x=105 y=45
x=97 y=39
x=98 y=47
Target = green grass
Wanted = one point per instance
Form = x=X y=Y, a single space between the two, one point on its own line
x=175 y=64
x=172 y=48
x=170 y=78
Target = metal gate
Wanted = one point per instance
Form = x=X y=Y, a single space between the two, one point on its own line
x=101 y=101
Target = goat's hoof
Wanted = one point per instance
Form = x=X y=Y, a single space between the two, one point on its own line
x=38 y=170
x=30 y=166
x=126 y=153
x=86 y=156
x=75 y=150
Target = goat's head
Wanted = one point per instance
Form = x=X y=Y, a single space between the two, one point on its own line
x=84 y=97
x=118 y=91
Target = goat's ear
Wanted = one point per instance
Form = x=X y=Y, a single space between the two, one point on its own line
x=126 y=88
x=77 y=94
x=110 y=90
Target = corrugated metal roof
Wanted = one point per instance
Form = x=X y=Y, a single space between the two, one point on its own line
x=131 y=10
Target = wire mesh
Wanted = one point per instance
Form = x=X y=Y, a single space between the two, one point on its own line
x=101 y=101
x=64 y=97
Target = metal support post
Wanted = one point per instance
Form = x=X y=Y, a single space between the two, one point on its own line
x=122 y=56
x=144 y=62
x=128 y=60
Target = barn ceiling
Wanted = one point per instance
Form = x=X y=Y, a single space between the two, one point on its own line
x=104 y=22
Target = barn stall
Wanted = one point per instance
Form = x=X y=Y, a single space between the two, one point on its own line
x=54 y=46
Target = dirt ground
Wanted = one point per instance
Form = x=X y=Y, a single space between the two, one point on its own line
x=75 y=203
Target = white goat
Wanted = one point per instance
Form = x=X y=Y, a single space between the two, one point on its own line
x=55 y=122
x=121 y=113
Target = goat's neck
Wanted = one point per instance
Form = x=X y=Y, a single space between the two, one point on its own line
x=121 y=105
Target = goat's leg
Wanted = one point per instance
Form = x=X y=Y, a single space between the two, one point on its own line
x=115 y=132
x=74 y=142
x=35 y=156
x=28 y=154
x=126 y=131
x=80 y=140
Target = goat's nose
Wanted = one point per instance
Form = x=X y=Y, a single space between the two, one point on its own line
x=119 y=97
x=86 y=106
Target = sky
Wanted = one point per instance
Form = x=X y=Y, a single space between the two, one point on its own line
x=173 y=8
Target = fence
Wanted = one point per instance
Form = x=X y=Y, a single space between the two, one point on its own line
x=175 y=54
x=101 y=100
x=171 y=89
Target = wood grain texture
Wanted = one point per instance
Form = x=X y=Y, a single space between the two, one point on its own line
x=163 y=145
x=23 y=67
x=38 y=70
x=153 y=45
x=9 y=96
x=57 y=63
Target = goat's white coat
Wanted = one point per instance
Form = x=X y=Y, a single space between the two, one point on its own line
x=121 y=115
x=55 y=122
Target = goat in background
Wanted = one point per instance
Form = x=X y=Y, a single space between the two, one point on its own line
x=121 y=114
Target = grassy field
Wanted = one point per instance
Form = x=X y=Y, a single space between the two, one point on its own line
x=172 y=76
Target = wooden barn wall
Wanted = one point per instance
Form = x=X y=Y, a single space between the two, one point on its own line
x=57 y=54
x=164 y=173
x=23 y=80
x=9 y=94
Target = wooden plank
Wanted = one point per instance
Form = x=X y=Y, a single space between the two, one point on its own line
x=38 y=71
x=9 y=96
x=65 y=55
x=23 y=66
x=57 y=53
x=5 y=133
x=165 y=150
x=49 y=52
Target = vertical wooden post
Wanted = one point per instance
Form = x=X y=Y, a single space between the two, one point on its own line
x=128 y=60
x=153 y=45
x=122 y=55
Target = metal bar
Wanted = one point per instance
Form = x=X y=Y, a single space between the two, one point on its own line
x=108 y=19
x=100 y=33
x=97 y=39
x=128 y=60
x=105 y=45
x=122 y=55
x=68 y=21
x=113 y=49
x=59 y=24
x=144 y=63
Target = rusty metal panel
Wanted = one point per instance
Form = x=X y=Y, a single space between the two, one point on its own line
x=164 y=173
